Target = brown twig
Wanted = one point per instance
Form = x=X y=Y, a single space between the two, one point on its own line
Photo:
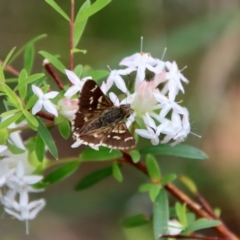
x=53 y=74
x=71 y=59
x=182 y=197
x=45 y=115
x=11 y=69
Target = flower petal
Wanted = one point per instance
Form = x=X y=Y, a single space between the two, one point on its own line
x=37 y=107
x=51 y=94
x=50 y=107
x=73 y=77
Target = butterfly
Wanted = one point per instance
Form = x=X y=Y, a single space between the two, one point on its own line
x=98 y=122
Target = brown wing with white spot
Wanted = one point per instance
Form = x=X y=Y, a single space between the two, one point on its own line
x=92 y=102
x=119 y=137
x=94 y=137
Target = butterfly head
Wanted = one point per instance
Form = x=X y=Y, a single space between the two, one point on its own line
x=126 y=109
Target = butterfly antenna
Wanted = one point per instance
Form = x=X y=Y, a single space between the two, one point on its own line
x=141 y=44
x=183 y=69
x=109 y=68
x=164 y=52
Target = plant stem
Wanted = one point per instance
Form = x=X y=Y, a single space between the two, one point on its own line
x=71 y=59
x=182 y=197
x=53 y=74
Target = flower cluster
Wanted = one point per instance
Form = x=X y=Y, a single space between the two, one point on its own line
x=157 y=114
x=16 y=180
x=153 y=100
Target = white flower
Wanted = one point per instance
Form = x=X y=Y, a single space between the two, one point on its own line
x=174 y=227
x=152 y=131
x=175 y=77
x=21 y=180
x=68 y=107
x=77 y=83
x=115 y=76
x=43 y=101
x=2 y=148
x=23 y=210
x=141 y=61
x=167 y=104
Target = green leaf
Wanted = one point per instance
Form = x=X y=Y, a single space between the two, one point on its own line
x=185 y=151
x=135 y=156
x=146 y=187
x=10 y=112
x=64 y=129
x=94 y=178
x=14 y=149
x=58 y=9
x=80 y=25
x=95 y=7
x=47 y=138
x=23 y=90
x=78 y=70
x=102 y=155
x=202 y=224
x=4 y=135
x=190 y=218
x=29 y=58
x=76 y=50
x=61 y=172
x=2 y=77
x=153 y=169
x=98 y=74
x=14 y=99
x=181 y=213
x=39 y=148
x=54 y=61
x=10 y=120
x=32 y=121
x=188 y=183
x=154 y=191
x=160 y=214
x=117 y=172
x=26 y=45
x=136 y=221
x=168 y=178
x=8 y=58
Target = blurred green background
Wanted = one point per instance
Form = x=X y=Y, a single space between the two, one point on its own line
x=205 y=36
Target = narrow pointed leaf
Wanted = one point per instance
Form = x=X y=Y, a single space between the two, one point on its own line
x=30 y=79
x=13 y=149
x=14 y=99
x=56 y=7
x=117 y=172
x=64 y=129
x=94 y=178
x=154 y=191
x=76 y=50
x=168 y=178
x=202 y=224
x=180 y=150
x=22 y=90
x=136 y=221
x=153 y=169
x=8 y=58
x=32 y=121
x=26 y=45
x=61 y=172
x=95 y=7
x=47 y=138
x=160 y=214
x=39 y=148
x=80 y=25
x=10 y=120
x=54 y=61
x=29 y=58
x=181 y=213
x=10 y=112
x=135 y=156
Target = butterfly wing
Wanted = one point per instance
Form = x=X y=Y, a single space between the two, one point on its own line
x=92 y=102
x=118 y=137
